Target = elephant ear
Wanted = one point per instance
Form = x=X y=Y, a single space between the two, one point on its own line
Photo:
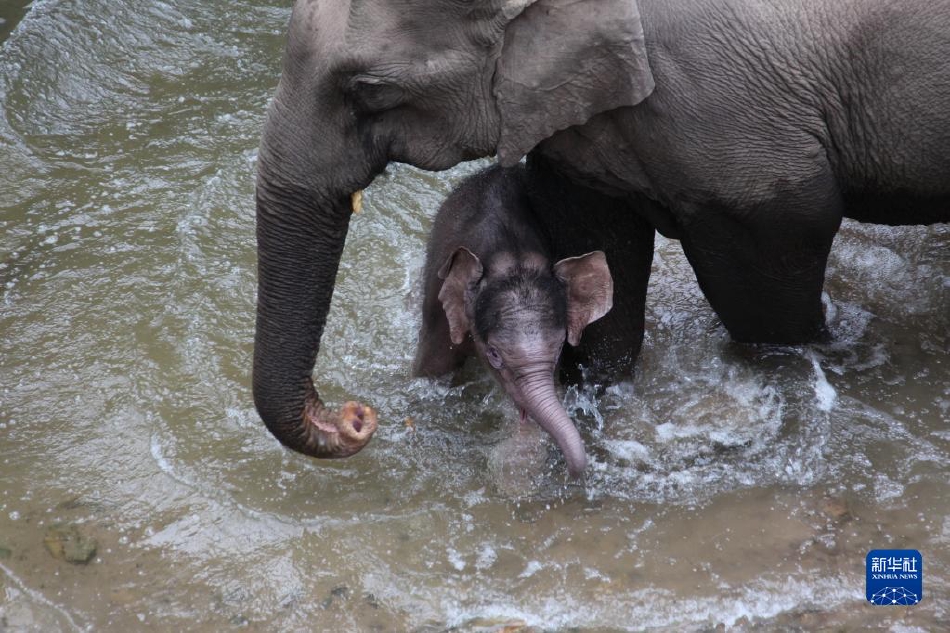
x=562 y=62
x=461 y=271
x=590 y=291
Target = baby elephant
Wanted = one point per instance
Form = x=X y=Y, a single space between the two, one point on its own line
x=491 y=290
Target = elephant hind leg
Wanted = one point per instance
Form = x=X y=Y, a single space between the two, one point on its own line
x=762 y=268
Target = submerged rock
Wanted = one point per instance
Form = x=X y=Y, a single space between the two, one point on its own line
x=494 y=625
x=836 y=509
x=66 y=542
x=338 y=593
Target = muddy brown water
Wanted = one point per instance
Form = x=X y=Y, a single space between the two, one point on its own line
x=729 y=486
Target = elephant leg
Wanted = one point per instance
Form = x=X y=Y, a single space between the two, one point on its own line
x=762 y=267
x=436 y=355
x=577 y=219
x=610 y=346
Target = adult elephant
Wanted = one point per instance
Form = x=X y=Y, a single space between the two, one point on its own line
x=744 y=128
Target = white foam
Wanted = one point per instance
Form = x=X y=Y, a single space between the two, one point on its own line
x=455 y=558
x=485 y=557
x=825 y=394
x=630 y=450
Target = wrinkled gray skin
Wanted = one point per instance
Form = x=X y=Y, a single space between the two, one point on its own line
x=492 y=290
x=747 y=129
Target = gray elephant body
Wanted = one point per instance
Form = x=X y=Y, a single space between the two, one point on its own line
x=492 y=290
x=745 y=128
x=770 y=122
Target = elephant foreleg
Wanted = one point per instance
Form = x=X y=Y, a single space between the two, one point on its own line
x=610 y=346
x=436 y=355
x=577 y=219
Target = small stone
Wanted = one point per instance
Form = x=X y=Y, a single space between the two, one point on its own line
x=371 y=600
x=67 y=543
x=239 y=621
x=836 y=509
x=515 y=626
x=72 y=503
x=495 y=625
x=340 y=592
x=122 y=596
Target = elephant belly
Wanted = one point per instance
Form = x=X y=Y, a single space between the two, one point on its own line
x=598 y=155
x=899 y=208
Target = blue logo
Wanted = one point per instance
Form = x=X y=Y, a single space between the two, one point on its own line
x=894 y=577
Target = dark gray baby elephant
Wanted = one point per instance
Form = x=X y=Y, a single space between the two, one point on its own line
x=492 y=291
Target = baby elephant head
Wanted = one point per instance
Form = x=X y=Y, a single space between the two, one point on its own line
x=519 y=312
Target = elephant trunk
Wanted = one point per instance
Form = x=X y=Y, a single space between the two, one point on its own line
x=538 y=398
x=300 y=237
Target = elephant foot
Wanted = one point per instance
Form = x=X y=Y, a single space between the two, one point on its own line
x=338 y=433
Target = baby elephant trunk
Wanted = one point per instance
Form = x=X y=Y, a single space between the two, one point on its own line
x=539 y=400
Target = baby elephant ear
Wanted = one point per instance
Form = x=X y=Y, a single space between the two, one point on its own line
x=461 y=272
x=590 y=291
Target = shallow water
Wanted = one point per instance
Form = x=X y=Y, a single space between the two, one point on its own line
x=729 y=486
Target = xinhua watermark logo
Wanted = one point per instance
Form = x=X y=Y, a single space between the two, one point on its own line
x=894 y=577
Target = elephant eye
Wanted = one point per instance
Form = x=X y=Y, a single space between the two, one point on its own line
x=494 y=358
x=372 y=94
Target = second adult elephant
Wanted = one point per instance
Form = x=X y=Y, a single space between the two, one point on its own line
x=746 y=129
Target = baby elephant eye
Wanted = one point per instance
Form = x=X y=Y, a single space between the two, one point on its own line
x=494 y=358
